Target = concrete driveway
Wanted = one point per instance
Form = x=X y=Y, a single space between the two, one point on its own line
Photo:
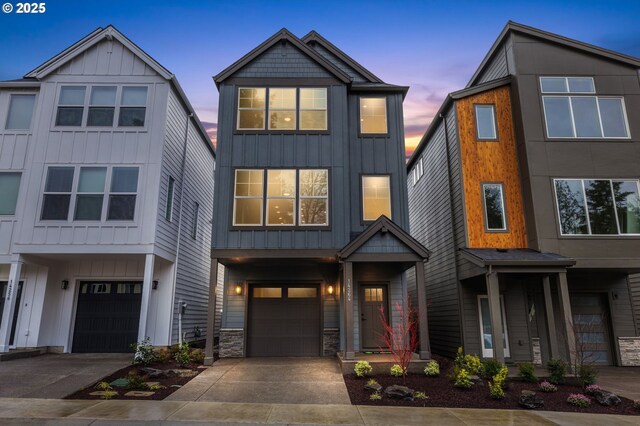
x=268 y=380
x=56 y=375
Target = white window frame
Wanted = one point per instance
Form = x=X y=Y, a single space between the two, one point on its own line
x=488 y=353
x=236 y=197
x=492 y=107
x=33 y=112
x=268 y=109
x=566 y=83
x=15 y=207
x=171 y=191
x=75 y=193
x=85 y=109
x=119 y=106
x=502 y=204
x=586 y=209
x=71 y=192
x=293 y=197
x=418 y=171
x=115 y=106
x=109 y=193
x=196 y=219
x=313 y=197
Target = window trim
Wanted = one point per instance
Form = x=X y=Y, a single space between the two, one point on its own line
x=586 y=209
x=8 y=109
x=494 y=121
x=236 y=197
x=566 y=80
x=76 y=193
x=364 y=175
x=110 y=193
x=115 y=106
x=362 y=134
x=300 y=197
x=44 y=192
x=168 y=207
x=238 y=108
x=120 y=106
x=195 y=220
x=15 y=208
x=505 y=228
x=489 y=353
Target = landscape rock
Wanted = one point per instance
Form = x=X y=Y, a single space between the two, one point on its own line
x=399 y=392
x=154 y=373
x=529 y=400
x=474 y=378
x=376 y=387
x=607 y=398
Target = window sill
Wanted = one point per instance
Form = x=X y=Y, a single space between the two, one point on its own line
x=280 y=228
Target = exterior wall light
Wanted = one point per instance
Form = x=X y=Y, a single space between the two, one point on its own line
x=330 y=290
x=239 y=289
x=65 y=284
x=154 y=284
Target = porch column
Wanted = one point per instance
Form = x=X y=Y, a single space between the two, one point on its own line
x=423 y=324
x=493 y=293
x=551 y=320
x=146 y=295
x=10 y=305
x=347 y=274
x=567 y=316
x=211 y=312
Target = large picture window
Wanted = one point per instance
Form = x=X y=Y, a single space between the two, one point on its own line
x=598 y=206
x=373 y=115
x=376 y=197
x=494 y=211
x=9 y=189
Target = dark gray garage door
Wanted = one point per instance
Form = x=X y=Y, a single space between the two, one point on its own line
x=107 y=316
x=284 y=320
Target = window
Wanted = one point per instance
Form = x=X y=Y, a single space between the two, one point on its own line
x=102 y=105
x=417 y=171
x=57 y=193
x=373 y=295
x=196 y=218
x=302 y=292
x=248 y=196
x=90 y=195
x=314 y=197
x=373 y=115
x=495 y=218
x=313 y=109
x=486 y=122
x=581 y=116
x=282 y=110
x=71 y=106
x=281 y=197
x=376 y=197
x=9 y=188
x=267 y=292
x=133 y=106
x=485 y=327
x=122 y=197
x=598 y=206
x=20 y=112
x=168 y=212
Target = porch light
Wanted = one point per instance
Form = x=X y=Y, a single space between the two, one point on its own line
x=238 y=289
x=330 y=289
x=65 y=284
x=154 y=284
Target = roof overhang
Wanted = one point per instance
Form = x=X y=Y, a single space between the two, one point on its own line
x=515 y=258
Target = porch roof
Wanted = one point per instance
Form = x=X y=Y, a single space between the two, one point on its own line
x=514 y=257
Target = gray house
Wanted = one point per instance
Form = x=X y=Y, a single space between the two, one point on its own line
x=311 y=213
x=106 y=198
x=525 y=186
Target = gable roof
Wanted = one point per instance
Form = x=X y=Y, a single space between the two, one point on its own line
x=554 y=38
x=313 y=36
x=109 y=33
x=281 y=35
x=383 y=224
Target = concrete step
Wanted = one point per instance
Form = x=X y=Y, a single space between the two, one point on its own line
x=22 y=353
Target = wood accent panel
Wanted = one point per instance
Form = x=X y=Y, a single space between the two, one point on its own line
x=494 y=161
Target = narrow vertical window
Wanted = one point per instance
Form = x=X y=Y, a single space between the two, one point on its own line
x=122 y=197
x=282 y=109
x=133 y=106
x=196 y=219
x=168 y=212
x=70 y=106
x=281 y=197
x=571 y=207
x=102 y=105
x=9 y=189
x=373 y=115
x=248 y=197
x=251 y=108
x=90 y=195
x=627 y=199
x=486 y=122
x=313 y=109
x=20 y=112
x=376 y=197
x=57 y=193
x=314 y=196
x=495 y=218
x=602 y=214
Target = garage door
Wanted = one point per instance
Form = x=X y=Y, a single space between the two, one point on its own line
x=107 y=316
x=284 y=320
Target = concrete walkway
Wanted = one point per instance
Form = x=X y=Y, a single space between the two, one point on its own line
x=118 y=412
x=56 y=375
x=269 y=381
x=624 y=381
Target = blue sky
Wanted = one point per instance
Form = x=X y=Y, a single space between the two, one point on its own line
x=434 y=47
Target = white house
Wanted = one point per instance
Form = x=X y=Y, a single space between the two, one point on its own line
x=106 y=197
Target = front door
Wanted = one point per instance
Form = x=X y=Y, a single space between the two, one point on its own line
x=372 y=297
x=591 y=323
x=4 y=285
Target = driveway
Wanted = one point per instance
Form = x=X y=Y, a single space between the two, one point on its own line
x=624 y=381
x=268 y=380
x=56 y=375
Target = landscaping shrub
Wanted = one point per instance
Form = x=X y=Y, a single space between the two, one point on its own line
x=155 y=387
x=587 y=374
x=396 y=370
x=163 y=355
x=197 y=356
x=432 y=368
x=496 y=386
x=375 y=396
x=362 y=368
x=461 y=378
x=420 y=395
x=372 y=382
x=636 y=404
x=548 y=387
x=182 y=354
x=557 y=369
x=592 y=389
x=144 y=353
x=579 y=400
x=490 y=367
x=471 y=363
x=136 y=382
x=526 y=371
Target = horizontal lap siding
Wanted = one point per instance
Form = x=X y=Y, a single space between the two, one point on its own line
x=634 y=287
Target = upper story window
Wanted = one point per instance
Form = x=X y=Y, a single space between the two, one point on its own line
x=57 y=193
x=102 y=106
x=282 y=109
x=70 y=106
x=9 y=189
x=281 y=197
x=314 y=197
x=123 y=194
x=90 y=197
x=248 y=197
x=20 y=111
x=168 y=212
x=494 y=211
x=376 y=197
x=133 y=106
x=373 y=115
x=573 y=111
x=486 y=122
x=598 y=206
x=418 y=171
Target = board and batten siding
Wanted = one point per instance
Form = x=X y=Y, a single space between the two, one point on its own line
x=193 y=184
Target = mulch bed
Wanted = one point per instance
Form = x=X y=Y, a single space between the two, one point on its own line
x=442 y=393
x=160 y=394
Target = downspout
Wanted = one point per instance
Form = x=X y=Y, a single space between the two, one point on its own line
x=175 y=269
x=453 y=224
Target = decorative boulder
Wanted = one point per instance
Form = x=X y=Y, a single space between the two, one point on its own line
x=153 y=373
x=375 y=387
x=399 y=392
x=529 y=400
x=607 y=398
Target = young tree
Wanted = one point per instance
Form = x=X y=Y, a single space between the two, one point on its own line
x=402 y=338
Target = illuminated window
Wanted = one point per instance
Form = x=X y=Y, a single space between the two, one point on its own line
x=282 y=109
x=248 y=197
x=313 y=109
x=373 y=115
x=314 y=197
x=281 y=197
x=376 y=197
x=251 y=108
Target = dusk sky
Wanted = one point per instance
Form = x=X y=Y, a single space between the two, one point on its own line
x=434 y=47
